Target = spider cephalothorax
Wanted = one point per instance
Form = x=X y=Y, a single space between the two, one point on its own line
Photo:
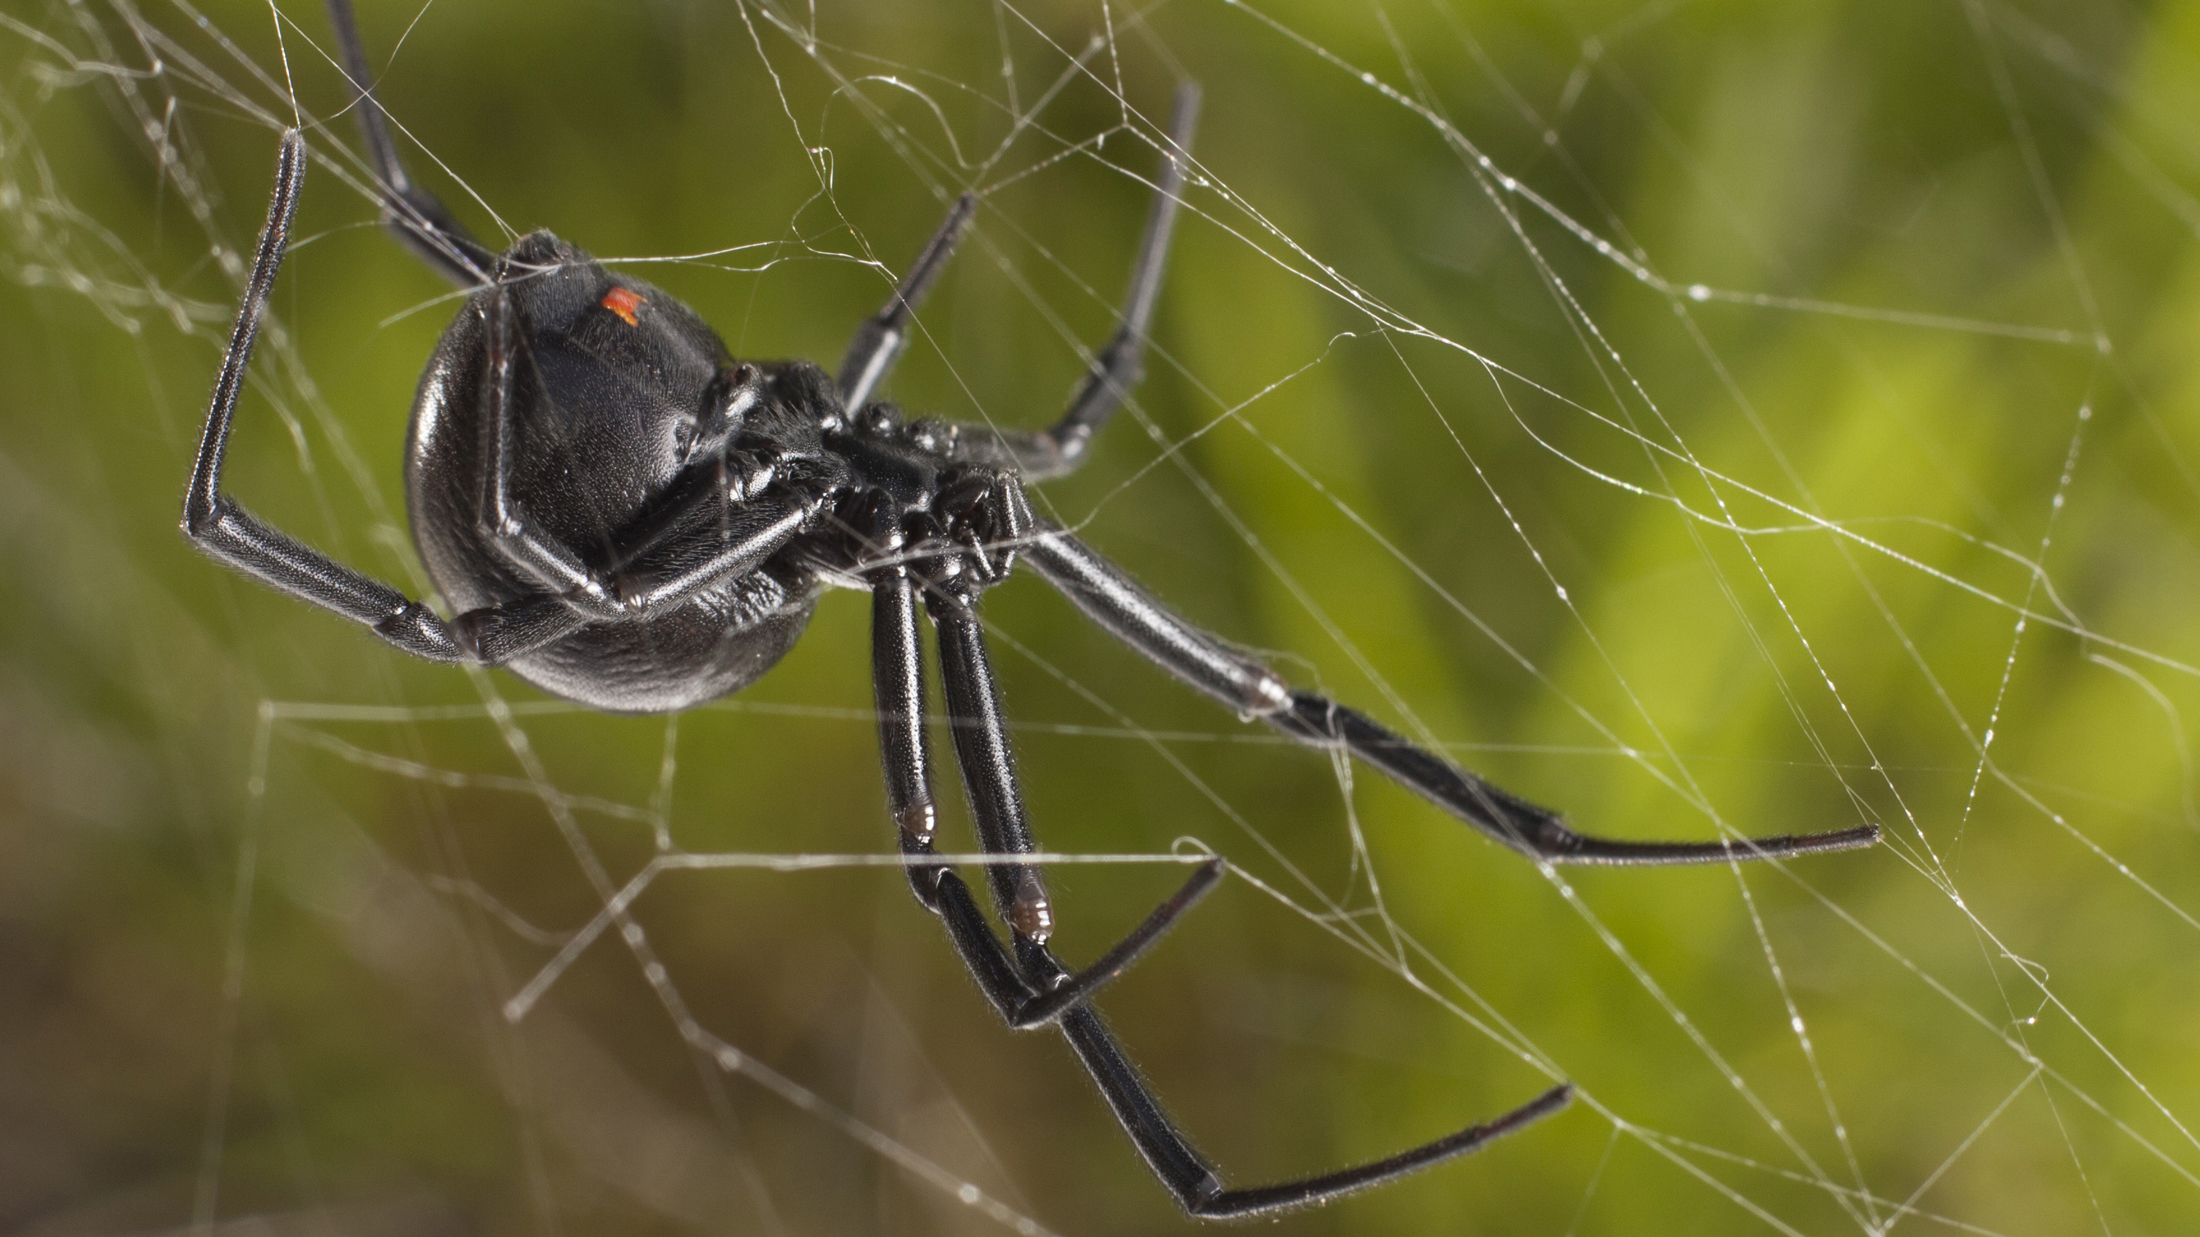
x=625 y=515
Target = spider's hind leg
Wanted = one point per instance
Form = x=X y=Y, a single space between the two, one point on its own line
x=216 y=524
x=415 y=215
x=1204 y=661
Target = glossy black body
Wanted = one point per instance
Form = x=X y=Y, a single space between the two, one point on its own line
x=605 y=413
x=628 y=517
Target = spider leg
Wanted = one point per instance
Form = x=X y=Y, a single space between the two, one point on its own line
x=878 y=342
x=415 y=215
x=1204 y=661
x=989 y=773
x=1039 y=455
x=1121 y=364
x=669 y=570
x=1193 y=1182
x=1058 y=450
x=217 y=525
x=897 y=660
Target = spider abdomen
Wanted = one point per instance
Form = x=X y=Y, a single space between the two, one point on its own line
x=707 y=648
x=607 y=385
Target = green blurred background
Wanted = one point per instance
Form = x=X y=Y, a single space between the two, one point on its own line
x=1750 y=559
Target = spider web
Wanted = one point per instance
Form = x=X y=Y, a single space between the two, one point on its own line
x=1707 y=421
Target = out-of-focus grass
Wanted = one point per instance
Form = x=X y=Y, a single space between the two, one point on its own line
x=1548 y=575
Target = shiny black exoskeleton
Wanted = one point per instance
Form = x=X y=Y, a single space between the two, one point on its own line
x=626 y=516
x=563 y=422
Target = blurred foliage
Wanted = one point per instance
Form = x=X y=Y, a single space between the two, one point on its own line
x=1941 y=372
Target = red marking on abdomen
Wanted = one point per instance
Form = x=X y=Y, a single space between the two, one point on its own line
x=623 y=303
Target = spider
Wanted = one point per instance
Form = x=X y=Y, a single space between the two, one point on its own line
x=624 y=515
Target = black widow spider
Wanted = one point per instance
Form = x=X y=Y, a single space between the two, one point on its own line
x=625 y=516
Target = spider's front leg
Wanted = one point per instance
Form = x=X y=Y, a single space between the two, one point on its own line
x=897 y=659
x=1038 y=455
x=1206 y=662
x=986 y=521
x=878 y=343
x=418 y=219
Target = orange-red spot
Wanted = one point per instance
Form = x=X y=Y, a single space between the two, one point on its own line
x=623 y=303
